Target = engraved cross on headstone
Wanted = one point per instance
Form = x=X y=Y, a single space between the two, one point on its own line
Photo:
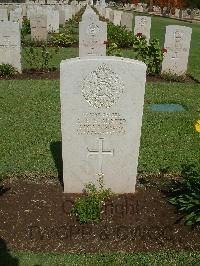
x=100 y=152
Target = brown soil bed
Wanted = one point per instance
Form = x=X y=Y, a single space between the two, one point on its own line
x=35 y=216
x=55 y=75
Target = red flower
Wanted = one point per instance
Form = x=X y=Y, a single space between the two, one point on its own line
x=164 y=50
x=105 y=42
x=139 y=34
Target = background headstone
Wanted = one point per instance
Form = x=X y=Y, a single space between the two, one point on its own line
x=3 y=14
x=16 y=16
x=127 y=20
x=53 y=21
x=117 y=17
x=39 y=28
x=10 y=44
x=92 y=35
x=143 y=25
x=177 y=43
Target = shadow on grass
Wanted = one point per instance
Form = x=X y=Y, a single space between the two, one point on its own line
x=56 y=151
x=5 y=257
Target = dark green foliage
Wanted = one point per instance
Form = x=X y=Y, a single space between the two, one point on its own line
x=71 y=27
x=26 y=42
x=87 y=209
x=39 y=59
x=173 y=77
x=26 y=28
x=193 y=3
x=7 y=70
x=185 y=194
x=113 y=50
x=62 y=40
x=120 y=36
x=151 y=54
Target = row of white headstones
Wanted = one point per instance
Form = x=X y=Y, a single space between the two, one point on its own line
x=102 y=102
x=54 y=15
x=93 y=35
x=177 y=38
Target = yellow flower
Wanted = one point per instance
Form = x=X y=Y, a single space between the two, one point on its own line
x=197 y=126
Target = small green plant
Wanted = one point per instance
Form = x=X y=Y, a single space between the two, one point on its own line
x=120 y=36
x=70 y=27
x=88 y=208
x=62 y=40
x=39 y=58
x=149 y=53
x=7 y=70
x=173 y=77
x=26 y=28
x=27 y=42
x=113 y=50
x=184 y=193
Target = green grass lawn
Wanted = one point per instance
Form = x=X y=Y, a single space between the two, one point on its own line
x=30 y=127
x=142 y=259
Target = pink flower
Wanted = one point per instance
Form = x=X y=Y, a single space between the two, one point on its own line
x=139 y=34
x=105 y=42
x=164 y=50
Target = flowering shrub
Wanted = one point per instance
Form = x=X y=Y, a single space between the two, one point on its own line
x=62 y=40
x=120 y=36
x=151 y=54
x=113 y=50
x=197 y=126
x=185 y=193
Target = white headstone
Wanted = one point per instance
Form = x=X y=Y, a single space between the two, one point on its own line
x=3 y=14
x=101 y=115
x=61 y=10
x=89 y=14
x=143 y=25
x=127 y=20
x=177 y=43
x=16 y=16
x=107 y=14
x=117 y=17
x=53 y=21
x=92 y=35
x=39 y=28
x=111 y=15
x=68 y=13
x=10 y=44
x=103 y=3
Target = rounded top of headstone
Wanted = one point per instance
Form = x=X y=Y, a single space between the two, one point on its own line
x=178 y=27
x=116 y=59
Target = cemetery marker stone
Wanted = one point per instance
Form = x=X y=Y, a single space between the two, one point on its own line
x=39 y=28
x=143 y=25
x=92 y=35
x=127 y=20
x=117 y=17
x=3 y=14
x=10 y=44
x=101 y=112
x=177 y=43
